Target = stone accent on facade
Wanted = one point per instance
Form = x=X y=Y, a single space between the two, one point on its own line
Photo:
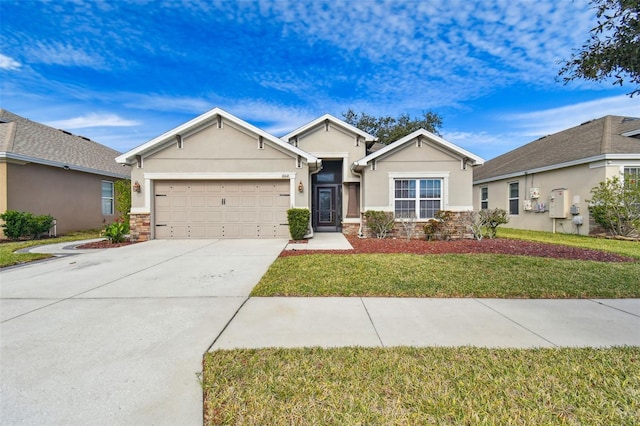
x=140 y=227
x=456 y=228
x=350 y=229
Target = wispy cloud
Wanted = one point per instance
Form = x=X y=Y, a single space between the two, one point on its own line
x=8 y=63
x=64 y=54
x=548 y=121
x=93 y=120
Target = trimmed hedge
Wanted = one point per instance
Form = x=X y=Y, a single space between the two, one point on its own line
x=298 y=222
x=23 y=224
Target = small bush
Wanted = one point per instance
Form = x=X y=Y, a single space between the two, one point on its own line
x=298 y=222
x=116 y=231
x=380 y=222
x=23 y=224
x=493 y=218
x=615 y=205
x=439 y=228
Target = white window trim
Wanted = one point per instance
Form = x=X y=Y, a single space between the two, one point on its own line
x=112 y=198
x=484 y=199
x=509 y=198
x=420 y=175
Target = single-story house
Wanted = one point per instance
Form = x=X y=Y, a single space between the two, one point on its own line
x=218 y=176
x=545 y=185
x=49 y=171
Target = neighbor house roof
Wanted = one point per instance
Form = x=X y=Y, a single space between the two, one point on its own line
x=427 y=136
x=328 y=118
x=209 y=117
x=609 y=137
x=27 y=141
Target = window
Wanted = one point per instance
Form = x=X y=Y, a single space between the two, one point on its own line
x=107 y=197
x=514 y=198
x=420 y=197
x=632 y=176
x=484 y=198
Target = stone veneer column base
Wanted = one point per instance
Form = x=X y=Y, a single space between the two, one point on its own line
x=140 y=227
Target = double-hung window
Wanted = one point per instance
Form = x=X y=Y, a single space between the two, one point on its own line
x=484 y=198
x=514 y=198
x=420 y=198
x=107 y=198
x=632 y=176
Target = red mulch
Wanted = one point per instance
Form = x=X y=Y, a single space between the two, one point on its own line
x=494 y=246
x=103 y=244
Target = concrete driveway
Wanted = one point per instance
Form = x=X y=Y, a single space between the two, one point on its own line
x=117 y=336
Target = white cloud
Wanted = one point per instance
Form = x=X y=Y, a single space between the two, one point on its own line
x=545 y=122
x=93 y=120
x=64 y=54
x=8 y=63
x=156 y=102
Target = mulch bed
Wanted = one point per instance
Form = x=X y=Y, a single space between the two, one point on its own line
x=494 y=246
x=104 y=244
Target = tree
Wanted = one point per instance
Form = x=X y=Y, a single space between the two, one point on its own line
x=613 y=49
x=616 y=206
x=389 y=129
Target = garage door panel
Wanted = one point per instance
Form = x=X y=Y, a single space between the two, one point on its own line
x=222 y=209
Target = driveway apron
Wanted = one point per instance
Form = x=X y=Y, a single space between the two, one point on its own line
x=117 y=336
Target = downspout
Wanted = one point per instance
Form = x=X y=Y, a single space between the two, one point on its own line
x=310 y=197
x=360 y=175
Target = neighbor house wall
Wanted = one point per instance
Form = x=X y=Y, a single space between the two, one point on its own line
x=578 y=182
x=73 y=198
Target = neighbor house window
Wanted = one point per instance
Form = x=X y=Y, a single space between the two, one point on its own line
x=484 y=198
x=421 y=198
x=514 y=197
x=632 y=176
x=107 y=197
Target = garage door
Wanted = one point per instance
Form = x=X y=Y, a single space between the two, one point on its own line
x=221 y=209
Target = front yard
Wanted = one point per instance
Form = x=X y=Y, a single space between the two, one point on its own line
x=401 y=385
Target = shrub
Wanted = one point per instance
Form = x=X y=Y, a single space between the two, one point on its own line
x=298 y=222
x=116 y=231
x=493 y=218
x=123 y=197
x=439 y=228
x=380 y=222
x=23 y=224
x=616 y=206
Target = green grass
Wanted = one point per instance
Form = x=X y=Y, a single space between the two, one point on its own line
x=449 y=275
x=8 y=257
x=622 y=247
x=415 y=386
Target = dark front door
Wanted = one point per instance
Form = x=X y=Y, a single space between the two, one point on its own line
x=327 y=211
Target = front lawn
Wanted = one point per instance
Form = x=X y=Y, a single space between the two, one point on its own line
x=405 y=386
x=448 y=275
x=8 y=256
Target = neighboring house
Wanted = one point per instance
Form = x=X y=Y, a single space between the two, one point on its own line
x=49 y=171
x=545 y=184
x=217 y=176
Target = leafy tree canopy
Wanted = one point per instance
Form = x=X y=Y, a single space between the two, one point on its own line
x=613 y=50
x=389 y=129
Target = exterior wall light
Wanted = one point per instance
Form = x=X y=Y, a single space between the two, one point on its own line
x=136 y=187
x=300 y=187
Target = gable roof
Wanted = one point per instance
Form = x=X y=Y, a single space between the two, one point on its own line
x=25 y=140
x=335 y=121
x=208 y=117
x=437 y=140
x=606 y=137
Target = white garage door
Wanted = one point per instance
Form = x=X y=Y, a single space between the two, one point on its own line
x=221 y=209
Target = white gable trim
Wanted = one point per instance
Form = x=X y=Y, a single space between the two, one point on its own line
x=333 y=120
x=363 y=162
x=158 y=143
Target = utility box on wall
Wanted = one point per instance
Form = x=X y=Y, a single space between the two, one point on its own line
x=559 y=203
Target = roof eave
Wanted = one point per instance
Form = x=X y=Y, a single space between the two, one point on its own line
x=367 y=137
x=69 y=166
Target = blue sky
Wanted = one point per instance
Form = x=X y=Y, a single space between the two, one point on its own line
x=123 y=72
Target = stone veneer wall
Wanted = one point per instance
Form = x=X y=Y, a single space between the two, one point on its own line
x=457 y=228
x=140 y=227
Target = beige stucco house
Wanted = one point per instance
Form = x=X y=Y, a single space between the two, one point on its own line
x=49 y=171
x=218 y=176
x=545 y=184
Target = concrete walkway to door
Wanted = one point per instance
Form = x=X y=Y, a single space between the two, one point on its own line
x=116 y=337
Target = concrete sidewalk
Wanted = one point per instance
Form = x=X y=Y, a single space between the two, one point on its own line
x=512 y=323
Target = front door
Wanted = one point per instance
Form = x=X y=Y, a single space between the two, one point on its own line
x=327 y=211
